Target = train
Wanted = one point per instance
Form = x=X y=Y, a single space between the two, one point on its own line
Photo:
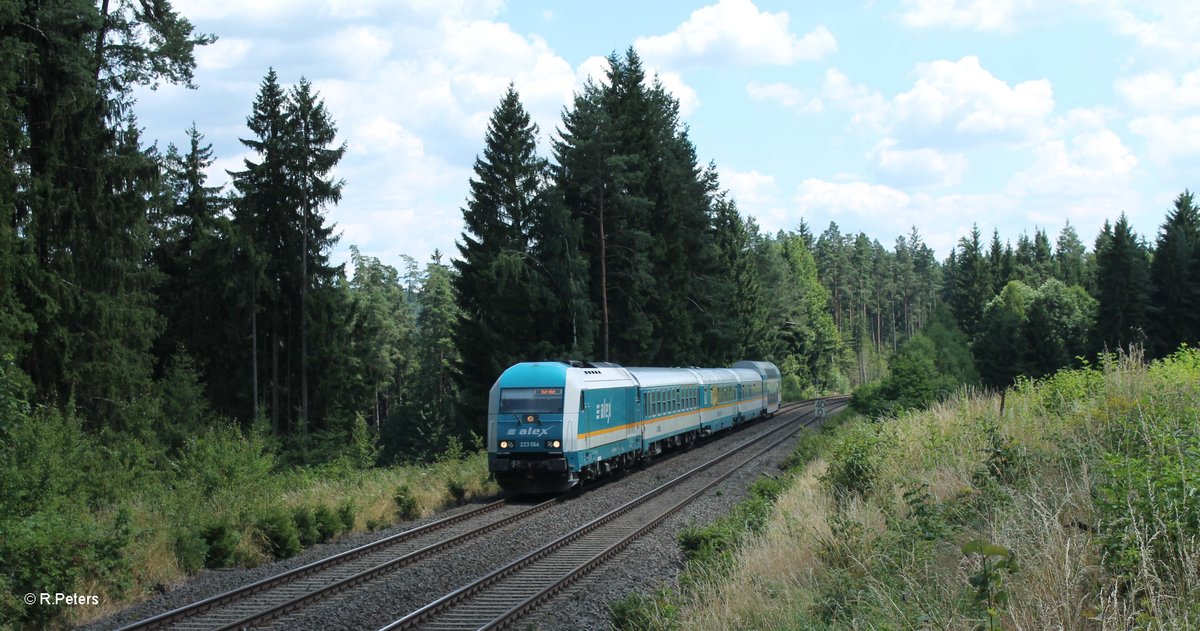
x=553 y=425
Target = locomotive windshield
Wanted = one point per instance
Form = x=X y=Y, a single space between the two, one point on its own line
x=531 y=400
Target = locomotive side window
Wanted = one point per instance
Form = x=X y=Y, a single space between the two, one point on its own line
x=531 y=401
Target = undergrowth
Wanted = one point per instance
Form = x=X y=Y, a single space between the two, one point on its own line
x=1077 y=508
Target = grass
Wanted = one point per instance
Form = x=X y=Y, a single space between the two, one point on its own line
x=176 y=526
x=1078 y=508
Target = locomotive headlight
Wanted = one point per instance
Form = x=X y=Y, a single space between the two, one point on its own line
x=504 y=444
x=554 y=444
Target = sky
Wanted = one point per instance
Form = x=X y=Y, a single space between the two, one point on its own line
x=877 y=115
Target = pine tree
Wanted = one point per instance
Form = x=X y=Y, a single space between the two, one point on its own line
x=1122 y=287
x=747 y=333
x=440 y=362
x=999 y=346
x=1069 y=257
x=972 y=283
x=628 y=172
x=77 y=180
x=498 y=273
x=285 y=241
x=314 y=157
x=1175 y=279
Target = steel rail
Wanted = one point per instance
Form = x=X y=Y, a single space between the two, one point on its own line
x=416 y=618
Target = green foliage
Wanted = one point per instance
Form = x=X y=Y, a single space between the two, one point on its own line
x=221 y=541
x=345 y=513
x=1175 y=279
x=306 y=526
x=191 y=550
x=50 y=551
x=854 y=460
x=406 y=504
x=1148 y=497
x=279 y=530
x=926 y=518
x=639 y=612
x=328 y=523
x=1122 y=287
x=915 y=380
x=990 y=595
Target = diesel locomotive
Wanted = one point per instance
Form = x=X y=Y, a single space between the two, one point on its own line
x=553 y=425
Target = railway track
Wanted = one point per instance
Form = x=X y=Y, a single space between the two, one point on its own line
x=262 y=601
x=505 y=595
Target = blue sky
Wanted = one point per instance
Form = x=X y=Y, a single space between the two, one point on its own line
x=1012 y=114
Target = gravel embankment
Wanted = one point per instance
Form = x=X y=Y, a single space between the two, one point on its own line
x=652 y=561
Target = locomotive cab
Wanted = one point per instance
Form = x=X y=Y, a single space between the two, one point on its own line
x=526 y=442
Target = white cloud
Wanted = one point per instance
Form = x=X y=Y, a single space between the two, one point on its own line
x=951 y=104
x=884 y=212
x=735 y=31
x=963 y=99
x=1092 y=163
x=919 y=168
x=225 y=53
x=1168 y=137
x=983 y=15
x=684 y=93
x=1159 y=92
x=868 y=106
x=1166 y=26
x=785 y=95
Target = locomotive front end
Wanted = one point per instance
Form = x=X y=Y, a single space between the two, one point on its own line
x=528 y=413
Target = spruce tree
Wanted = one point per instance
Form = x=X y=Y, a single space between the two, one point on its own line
x=285 y=243
x=1069 y=257
x=1122 y=287
x=499 y=273
x=78 y=182
x=972 y=283
x=1175 y=279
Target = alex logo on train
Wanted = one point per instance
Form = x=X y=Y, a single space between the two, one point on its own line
x=604 y=410
x=528 y=431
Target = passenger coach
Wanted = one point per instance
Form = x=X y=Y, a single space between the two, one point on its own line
x=552 y=425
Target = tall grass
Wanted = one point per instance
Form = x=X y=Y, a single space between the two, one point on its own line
x=1082 y=500
x=124 y=524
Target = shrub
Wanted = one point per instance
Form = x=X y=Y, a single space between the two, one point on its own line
x=854 y=461
x=306 y=526
x=346 y=512
x=329 y=524
x=281 y=534
x=638 y=612
x=406 y=503
x=191 y=550
x=457 y=489
x=221 y=541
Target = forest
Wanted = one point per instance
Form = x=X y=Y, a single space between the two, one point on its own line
x=157 y=330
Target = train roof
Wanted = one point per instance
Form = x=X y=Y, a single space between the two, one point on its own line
x=765 y=369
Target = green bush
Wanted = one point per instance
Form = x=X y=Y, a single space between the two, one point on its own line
x=346 y=512
x=329 y=524
x=306 y=526
x=221 y=541
x=54 y=552
x=280 y=532
x=406 y=504
x=190 y=550
x=638 y=612
x=853 y=461
x=457 y=489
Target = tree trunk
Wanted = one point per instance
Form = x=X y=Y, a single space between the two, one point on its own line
x=603 y=273
x=254 y=345
x=303 y=292
x=275 y=376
